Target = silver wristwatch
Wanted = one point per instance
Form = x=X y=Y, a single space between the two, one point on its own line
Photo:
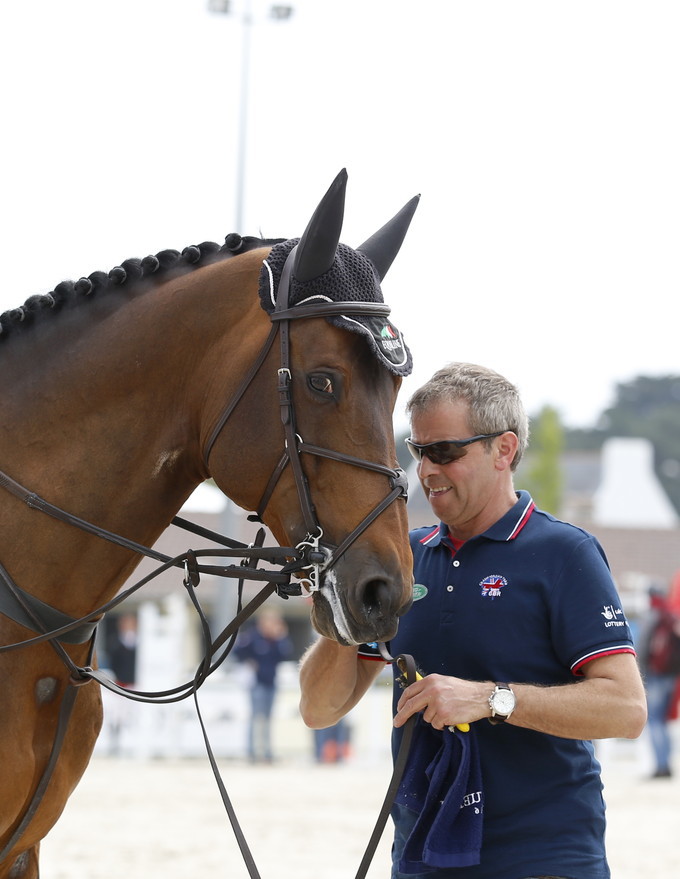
x=502 y=703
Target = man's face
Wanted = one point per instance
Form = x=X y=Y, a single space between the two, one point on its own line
x=468 y=494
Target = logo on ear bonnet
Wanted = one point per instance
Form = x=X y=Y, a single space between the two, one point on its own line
x=351 y=278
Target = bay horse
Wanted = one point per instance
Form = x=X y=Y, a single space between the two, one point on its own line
x=123 y=391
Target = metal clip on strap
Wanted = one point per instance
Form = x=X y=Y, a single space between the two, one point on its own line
x=192 y=576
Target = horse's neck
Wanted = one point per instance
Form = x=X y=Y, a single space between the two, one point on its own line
x=114 y=427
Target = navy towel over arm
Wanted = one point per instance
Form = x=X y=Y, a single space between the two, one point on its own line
x=443 y=783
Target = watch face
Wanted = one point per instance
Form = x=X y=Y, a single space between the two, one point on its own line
x=503 y=702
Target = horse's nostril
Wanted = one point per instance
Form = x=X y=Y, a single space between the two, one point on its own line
x=377 y=598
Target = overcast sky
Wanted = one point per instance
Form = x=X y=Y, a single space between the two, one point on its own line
x=543 y=136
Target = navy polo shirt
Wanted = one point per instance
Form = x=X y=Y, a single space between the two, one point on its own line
x=531 y=600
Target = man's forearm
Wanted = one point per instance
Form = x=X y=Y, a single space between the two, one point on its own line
x=332 y=681
x=609 y=702
x=598 y=707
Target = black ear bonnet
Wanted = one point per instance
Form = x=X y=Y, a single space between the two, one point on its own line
x=351 y=278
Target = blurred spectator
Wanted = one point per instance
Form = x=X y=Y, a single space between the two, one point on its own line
x=122 y=660
x=660 y=658
x=263 y=647
x=123 y=653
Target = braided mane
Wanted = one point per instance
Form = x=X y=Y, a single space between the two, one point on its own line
x=131 y=271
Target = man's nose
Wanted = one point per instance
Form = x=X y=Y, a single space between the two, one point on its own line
x=426 y=467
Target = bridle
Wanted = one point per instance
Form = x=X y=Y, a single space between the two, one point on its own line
x=310 y=556
x=319 y=555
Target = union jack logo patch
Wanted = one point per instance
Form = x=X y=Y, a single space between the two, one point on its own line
x=491 y=586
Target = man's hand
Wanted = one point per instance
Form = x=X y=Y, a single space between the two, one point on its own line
x=445 y=701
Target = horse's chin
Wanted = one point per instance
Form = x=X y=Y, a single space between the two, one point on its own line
x=325 y=627
x=324 y=623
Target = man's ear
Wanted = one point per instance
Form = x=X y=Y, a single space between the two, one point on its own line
x=506 y=448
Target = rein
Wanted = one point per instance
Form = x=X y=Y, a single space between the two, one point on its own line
x=32 y=610
x=83 y=675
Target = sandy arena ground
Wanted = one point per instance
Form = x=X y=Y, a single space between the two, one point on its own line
x=142 y=819
x=165 y=819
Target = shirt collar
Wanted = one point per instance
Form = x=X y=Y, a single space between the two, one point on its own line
x=506 y=528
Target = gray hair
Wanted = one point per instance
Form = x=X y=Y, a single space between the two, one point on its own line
x=494 y=403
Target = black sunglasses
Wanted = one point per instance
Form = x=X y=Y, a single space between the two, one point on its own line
x=445 y=451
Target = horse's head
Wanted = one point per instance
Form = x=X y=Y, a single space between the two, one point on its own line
x=330 y=383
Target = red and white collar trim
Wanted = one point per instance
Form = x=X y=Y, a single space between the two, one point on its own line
x=529 y=507
x=518 y=516
x=432 y=536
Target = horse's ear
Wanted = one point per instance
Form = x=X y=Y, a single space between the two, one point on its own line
x=316 y=249
x=382 y=247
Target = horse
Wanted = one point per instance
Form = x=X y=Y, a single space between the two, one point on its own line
x=122 y=392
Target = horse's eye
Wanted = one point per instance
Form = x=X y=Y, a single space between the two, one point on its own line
x=321 y=382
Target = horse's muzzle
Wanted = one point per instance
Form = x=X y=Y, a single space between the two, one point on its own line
x=366 y=611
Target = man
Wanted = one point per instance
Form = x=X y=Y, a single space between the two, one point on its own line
x=659 y=643
x=515 y=620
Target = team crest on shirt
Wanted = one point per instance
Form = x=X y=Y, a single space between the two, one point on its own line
x=491 y=586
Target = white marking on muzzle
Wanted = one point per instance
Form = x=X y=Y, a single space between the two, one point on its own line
x=329 y=590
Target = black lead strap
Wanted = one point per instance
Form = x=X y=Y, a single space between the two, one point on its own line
x=407 y=665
